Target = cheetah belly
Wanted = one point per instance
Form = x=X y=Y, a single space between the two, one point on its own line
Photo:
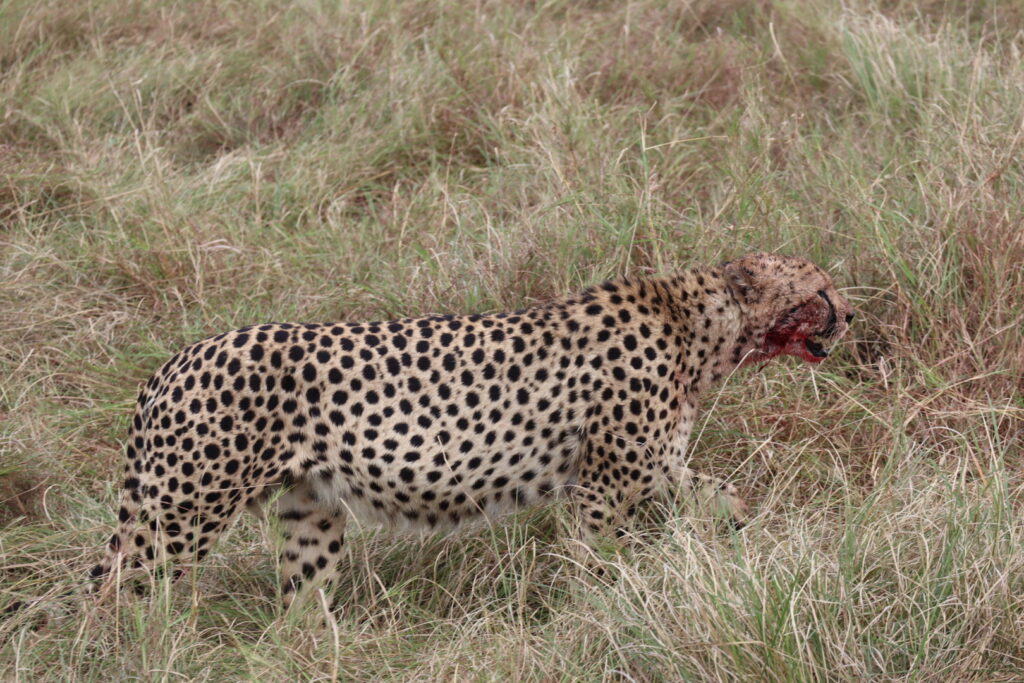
x=479 y=484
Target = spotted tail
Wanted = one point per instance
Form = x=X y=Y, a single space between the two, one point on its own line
x=131 y=521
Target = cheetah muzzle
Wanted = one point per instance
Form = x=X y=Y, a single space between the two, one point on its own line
x=429 y=422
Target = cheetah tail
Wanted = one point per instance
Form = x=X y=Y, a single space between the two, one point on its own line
x=130 y=515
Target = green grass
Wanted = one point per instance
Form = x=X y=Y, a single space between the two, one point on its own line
x=171 y=170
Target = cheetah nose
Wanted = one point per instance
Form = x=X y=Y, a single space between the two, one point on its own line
x=849 y=317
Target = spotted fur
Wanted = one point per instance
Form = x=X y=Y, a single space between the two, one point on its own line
x=427 y=422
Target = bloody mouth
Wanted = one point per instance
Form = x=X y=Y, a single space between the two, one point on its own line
x=778 y=343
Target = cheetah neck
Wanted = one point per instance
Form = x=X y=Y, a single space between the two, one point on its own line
x=710 y=326
x=692 y=319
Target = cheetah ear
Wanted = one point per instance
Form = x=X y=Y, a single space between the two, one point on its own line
x=742 y=277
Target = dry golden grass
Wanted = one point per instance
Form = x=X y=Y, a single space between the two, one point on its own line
x=170 y=170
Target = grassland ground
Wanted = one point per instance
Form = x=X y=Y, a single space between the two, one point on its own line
x=172 y=170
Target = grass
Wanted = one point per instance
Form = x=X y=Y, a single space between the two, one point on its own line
x=171 y=170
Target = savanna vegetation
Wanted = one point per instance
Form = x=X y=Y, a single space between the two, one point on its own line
x=169 y=170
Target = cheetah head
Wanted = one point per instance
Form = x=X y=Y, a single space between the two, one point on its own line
x=789 y=305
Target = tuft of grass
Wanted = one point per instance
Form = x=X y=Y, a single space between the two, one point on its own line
x=170 y=171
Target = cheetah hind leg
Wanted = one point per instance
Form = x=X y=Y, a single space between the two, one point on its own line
x=313 y=539
x=712 y=497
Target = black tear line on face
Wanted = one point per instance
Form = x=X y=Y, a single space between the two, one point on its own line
x=830 y=327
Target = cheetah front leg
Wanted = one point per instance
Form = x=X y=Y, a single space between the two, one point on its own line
x=619 y=471
x=615 y=476
x=710 y=496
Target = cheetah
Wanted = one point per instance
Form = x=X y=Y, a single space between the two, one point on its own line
x=430 y=422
